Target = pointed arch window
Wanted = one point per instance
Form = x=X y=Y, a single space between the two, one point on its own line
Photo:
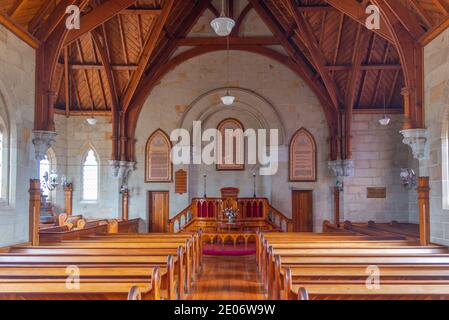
x=158 y=166
x=303 y=157
x=90 y=176
x=45 y=170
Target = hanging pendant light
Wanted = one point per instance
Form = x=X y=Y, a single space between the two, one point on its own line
x=385 y=121
x=92 y=121
x=228 y=99
x=223 y=25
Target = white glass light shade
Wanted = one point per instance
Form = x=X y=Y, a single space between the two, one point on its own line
x=228 y=100
x=385 y=121
x=92 y=121
x=223 y=26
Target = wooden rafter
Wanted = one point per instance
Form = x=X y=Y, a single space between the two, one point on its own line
x=39 y=16
x=356 y=11
x=97 y=17
x=318 y=58
x=146 y=54
x=18 y=4
x=407 y=19
x=361 y=44
x=105 y=60
x=19 y=31
x=206 y=41
x=56 y=17
x=240 y=19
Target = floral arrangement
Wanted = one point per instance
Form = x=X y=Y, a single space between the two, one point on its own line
x=231 y=214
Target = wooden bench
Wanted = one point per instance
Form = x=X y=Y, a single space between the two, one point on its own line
x=95 y=283
x=275 y=279
x=167 y=263
x=297 y=275
x=161 y=249
x=357 y=290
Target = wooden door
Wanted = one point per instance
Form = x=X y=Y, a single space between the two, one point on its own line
x=158 y=206
x=302 y=209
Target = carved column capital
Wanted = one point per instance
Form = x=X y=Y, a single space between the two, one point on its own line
x=43 y=140
x=417 y=140
x=342 y=168
x=121 y=169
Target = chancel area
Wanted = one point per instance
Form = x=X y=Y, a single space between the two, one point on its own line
x=224 y=149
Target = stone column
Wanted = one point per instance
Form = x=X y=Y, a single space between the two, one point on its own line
x=125 y=205
x=424 y=210
x=34 y=211
x=68 y=196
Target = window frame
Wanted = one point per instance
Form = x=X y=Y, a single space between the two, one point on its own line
x=83 y=165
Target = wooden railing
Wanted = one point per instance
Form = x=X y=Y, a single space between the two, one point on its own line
x=280 y=221
x=211 y=209
x=181 y=220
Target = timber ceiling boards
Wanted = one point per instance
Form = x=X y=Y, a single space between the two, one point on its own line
x=326 y=41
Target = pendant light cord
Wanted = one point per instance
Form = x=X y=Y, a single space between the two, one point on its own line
x=228 y=62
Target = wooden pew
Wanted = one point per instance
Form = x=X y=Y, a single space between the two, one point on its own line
x=162 y=262
x=274 y=276
x=357 y=290
x=297 y=275
x=193 y=249
x=127 y=250
x=294 y=238
x=95 y=283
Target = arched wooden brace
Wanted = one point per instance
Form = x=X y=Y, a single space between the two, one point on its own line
x=152 y=79
x=52 y=34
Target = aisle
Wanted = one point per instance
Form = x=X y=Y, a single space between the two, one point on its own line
x=228 y=278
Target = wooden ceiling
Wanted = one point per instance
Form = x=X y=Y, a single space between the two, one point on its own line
x=114 y=61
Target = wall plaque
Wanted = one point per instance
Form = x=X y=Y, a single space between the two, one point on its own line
x=158 y=166
x=181 y=182
x=376 y=193
x=232 y=155
x=303 y=157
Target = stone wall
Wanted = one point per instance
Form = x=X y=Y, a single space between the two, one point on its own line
x=436 y=59
x=17 y=67
x=75 y=138
x=270 y=96
x=379 y=155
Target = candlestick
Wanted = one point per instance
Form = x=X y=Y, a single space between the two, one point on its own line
x=205 y=185
x=254 y=184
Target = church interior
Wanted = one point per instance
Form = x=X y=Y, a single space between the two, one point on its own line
x=224 y=149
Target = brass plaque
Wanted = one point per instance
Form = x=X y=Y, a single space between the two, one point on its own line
x=376 y=193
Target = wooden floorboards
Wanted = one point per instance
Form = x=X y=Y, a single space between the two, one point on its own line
x=228 y=278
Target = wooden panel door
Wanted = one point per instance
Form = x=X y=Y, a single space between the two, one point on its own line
x=302 y=209
x=158 y=206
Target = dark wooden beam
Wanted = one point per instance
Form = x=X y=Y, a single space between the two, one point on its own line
x=148 y=49
x=364 y=67
x=356 y=11
x=206 y=41
x=97 y=17
x=305 y=32
x=360 y=47
x=19 y=31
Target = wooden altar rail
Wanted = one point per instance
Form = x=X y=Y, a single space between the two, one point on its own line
x=211 y=209
x=280 y=220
